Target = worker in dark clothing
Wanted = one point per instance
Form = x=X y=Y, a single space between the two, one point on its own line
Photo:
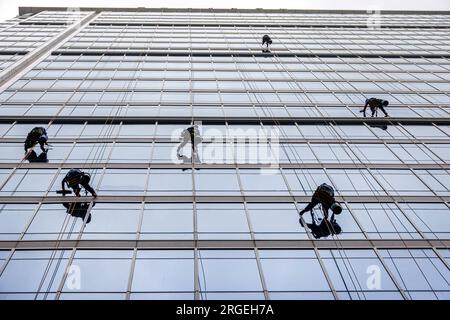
x=76 y=178
x=324 y=228
x=266 y=41
x=324 y=195
x=78 y=210
x=192 y=135
x=374 y=104
x=37 y=135
x=32 y=156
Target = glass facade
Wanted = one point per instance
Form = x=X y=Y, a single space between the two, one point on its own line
x=116 y=93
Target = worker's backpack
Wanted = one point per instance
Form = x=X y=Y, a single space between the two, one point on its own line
x=36 y=133
x=73 y=177
x=325 y=194
x=374 y=102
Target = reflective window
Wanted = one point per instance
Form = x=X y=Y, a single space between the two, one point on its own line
x=275 y=221
x=164 y=182
x=291 y=271
x=102 y=271
x=400 y=182
x=433 y=219
x=123 y=182
x=305 y=181
x=89 y=152
x=162 y=221
x=13 y=219
x=113 y=221
x=228 y=271
x=168 y=274
x=262 y=182
x=51 y=222
x=33 y=271
x=28 y=182
x=383 y=221
x=420 y=272
x=216 y=182
x=222 y=221
x=358 y=275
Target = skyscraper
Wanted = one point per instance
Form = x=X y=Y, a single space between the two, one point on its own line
x=115 y=88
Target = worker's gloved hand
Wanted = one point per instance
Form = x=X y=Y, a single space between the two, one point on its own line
x=302 y=212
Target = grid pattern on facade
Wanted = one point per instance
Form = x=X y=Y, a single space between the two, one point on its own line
x=116 y=95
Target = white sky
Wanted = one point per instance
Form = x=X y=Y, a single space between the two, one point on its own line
x=9 y=8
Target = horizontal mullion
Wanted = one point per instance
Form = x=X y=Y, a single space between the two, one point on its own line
x=220 y=244
x=220 y=199
x=223 y=119
x=131 y=90
x=269 y=24
x=174 y=166
x=246 y=53
x=282 y=140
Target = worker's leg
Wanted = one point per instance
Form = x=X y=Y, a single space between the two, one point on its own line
x=384 y=111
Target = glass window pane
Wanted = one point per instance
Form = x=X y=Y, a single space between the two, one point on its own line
x=164 y=182
x=14 y=219
x=222 y=221
x=164 y=270
x=261 y=182
x=216 y=182
x=101 y=271
x=26 y=271
x=109 y=221
x=228 y=271
x=271 y=221
x=292 y=270
x=162 y=221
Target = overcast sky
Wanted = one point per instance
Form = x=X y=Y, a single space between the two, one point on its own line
x=9 y=8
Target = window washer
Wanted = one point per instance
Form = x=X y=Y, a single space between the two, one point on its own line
x=374 y=104
x=74 y=179
x=192 y=135
x=37 y=135
x=32 y=156
x=324 y=195
x=266 y=41
x=78 y=209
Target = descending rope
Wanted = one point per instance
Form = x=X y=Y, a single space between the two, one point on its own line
x=340 y=245
x=98 y=154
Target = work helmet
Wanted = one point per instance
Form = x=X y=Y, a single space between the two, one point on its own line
x=336 y=208
x=385 y=103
